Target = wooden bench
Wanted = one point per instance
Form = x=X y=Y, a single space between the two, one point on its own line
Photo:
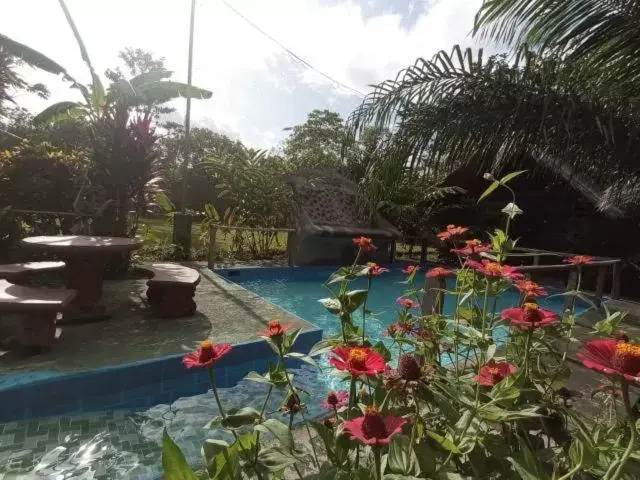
x=171 y=289
x=21 y=273
x=39 y=307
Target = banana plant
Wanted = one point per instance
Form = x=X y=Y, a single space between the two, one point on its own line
x=145 y=89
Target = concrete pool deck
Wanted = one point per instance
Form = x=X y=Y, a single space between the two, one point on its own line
x=227 y=313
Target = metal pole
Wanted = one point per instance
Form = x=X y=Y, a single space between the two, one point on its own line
x=187 y=119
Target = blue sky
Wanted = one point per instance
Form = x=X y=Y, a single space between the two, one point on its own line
x=258 y=90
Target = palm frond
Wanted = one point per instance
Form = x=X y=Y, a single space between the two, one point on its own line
x=603 y=33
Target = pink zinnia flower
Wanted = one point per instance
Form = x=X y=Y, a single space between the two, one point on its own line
x=358 y=361
x=373 y=428
x=472 y=247
x=612 y=357
x=407 y=302
x=530 y=289
x=495 y=269
x=579 y=259
x=410 y=269
x=493 y=372
x=365 y=244
x=206 y=355
x=336 y=400
x=530 y=316
x=452 y=231
x=275 y=329
x=439 y=272
x=376 y=270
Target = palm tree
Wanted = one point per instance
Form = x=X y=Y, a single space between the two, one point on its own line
x=459 y=108
x=603 y=34
x=150 y=88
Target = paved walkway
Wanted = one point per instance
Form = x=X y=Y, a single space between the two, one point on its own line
x=226 y=313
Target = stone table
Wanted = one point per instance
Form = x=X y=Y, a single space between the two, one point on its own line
x=85 y=258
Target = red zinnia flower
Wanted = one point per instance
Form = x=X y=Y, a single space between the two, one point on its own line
x=206 y=355
x=358 y=361
x=336 y=400
x=530 y=316
x=410 y=269
x=407 y=303
x=451 y=231
x=439 y=272
x=373 y=428
x=403 y=328
x=530 y=289
x=422 y=334
x=579 y=259
x=472 y=247
x=275 y=329
x=493 y=372
x=495 y=269
x=365 y=244
x=612 y=357
x=376 y=270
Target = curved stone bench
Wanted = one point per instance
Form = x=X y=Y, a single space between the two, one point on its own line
x=171 y=289
x=21 y=273
x=39 y=307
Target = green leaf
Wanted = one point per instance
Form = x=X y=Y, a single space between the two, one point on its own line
x=526 y=464
x=210 y=449
x=149 y=77
x=162 y=91
x=510 y=176
x=30 y=56
x=382 y=349
x=237 y=418
x=174 y=464
x=353 y=299
x=495 y=184
x=332 y=304
x=401 y=456
x=444 y=442
x=275 y=459
x=494 y=413
x=97 y=93
x=214 y=423
x=279 y=430
x=55 y=111
x=256 y=377
x=303 y=357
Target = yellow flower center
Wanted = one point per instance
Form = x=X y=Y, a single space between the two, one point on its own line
x=493 y=371
x=357 y=355
x=206 y=345
x=372 y=264
x=494 y=268
x=627 y=357
x=473 y=243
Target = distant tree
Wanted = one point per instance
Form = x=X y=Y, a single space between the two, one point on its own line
x=318 y=142
x=138 y=62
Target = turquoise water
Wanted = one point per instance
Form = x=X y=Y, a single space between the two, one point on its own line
x=298 y=291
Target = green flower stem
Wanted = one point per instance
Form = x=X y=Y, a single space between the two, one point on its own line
x=413 y=430
x=352 y=396
x=304 y=420
x=364 y=309
x=377 y=456
x=527 y=345
x=632 y=440
x=212 y=379
x=264 y=406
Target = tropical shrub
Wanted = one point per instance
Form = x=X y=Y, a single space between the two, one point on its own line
x=477 y=393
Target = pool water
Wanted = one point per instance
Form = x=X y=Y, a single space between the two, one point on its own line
x=298 y=291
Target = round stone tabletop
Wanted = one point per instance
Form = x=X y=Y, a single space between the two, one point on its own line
x=82 y=244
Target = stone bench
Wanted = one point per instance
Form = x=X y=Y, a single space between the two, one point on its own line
x=38 y=307
x=21 y=273
x=171 y=289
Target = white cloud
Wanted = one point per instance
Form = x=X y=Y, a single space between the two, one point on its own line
x=258 y=89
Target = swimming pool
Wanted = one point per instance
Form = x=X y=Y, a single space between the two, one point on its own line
x=124 y=443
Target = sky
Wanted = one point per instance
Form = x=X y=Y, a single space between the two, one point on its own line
x=258 y=89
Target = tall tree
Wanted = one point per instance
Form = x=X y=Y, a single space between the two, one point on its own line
x=318 y=142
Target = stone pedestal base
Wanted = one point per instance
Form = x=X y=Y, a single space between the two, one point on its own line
x=172 y=301
x=39 y=331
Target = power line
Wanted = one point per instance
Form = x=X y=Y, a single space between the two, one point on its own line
x=292 y=54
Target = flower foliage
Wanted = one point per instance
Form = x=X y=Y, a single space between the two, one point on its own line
x=472 y=391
